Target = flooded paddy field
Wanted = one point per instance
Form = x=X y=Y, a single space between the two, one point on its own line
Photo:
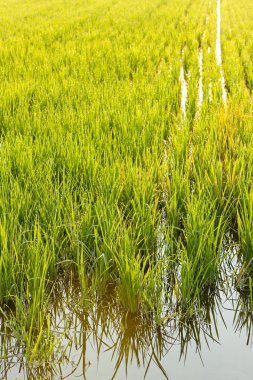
x=104 y=341
x=126 y=198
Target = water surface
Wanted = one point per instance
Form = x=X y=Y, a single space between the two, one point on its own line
x=103 y=341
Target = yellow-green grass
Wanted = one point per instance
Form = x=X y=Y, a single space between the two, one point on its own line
x=97 y=161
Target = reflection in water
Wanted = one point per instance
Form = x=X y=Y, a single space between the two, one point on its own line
x=243 y=317
x=81 y=335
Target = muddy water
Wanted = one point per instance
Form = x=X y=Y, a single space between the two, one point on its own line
x=104 y=342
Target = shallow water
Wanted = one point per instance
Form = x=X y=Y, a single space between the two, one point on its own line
x=219 y=53
x=105 y=342
x=200 y=84
x=184 y=89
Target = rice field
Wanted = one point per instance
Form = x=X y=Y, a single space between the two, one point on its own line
x=126 y=167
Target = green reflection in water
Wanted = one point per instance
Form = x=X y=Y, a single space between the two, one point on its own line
x=72 y=328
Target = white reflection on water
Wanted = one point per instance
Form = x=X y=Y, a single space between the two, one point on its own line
x=200 y=87
x=184 y=89
x=219 y=54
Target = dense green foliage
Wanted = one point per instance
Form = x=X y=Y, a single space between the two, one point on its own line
x=101 y=175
